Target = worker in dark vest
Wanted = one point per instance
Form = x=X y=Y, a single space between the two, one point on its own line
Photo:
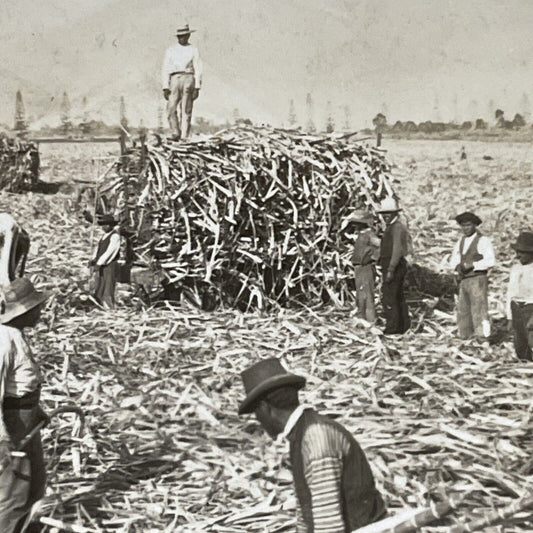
x=358 y=228
x=105 y=262
x=472 y=257
x=520 y=297
x=334 y=484
x=394 y=248
x=22 y=472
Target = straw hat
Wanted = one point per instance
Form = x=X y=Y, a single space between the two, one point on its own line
x=359 y=216
x=19 y=297
x=264 y=377
x=468 y=216
x=388 y=205
x=184 y=30
x=524 y=242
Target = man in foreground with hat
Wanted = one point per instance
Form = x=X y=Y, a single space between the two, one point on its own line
x=471 y=259
x=334 y=484
x=182 y=79
x=358 y=228
x=520 y=297
x=22 y=472
x=105 y=262
x=394 y=248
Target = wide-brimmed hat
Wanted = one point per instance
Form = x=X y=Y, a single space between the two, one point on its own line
x=264 y=377
x=524 y=242
x=468 y=216
x=359 y=216
x=388 y=205
x=19 y=297
x=106 y=220
x=184 y=30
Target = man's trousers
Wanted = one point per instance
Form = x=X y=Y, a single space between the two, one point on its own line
x=22 y=483
x=393 y=299
x=473 y=307
x=180 y=103
x=364 y=286
x=522 y=316
x=106 y=279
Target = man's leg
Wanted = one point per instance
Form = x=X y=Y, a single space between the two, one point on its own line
x=464 y=317
x=98 y=285
x=365 y=292
x=186 y=104
x=391 y=308
x=520 y=332
x=109 y=282
x=403 y=309
x=479 y=303
x=176 y=94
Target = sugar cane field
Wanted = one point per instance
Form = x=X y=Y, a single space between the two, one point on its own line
x=163 y=448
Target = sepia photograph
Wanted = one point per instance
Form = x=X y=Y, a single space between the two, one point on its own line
x=266 y=266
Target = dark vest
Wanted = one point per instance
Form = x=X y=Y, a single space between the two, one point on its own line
x=471 y=255
x=103 y=245
x=361 y=503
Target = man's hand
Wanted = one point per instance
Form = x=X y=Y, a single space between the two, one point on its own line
x=91 y=263
x=389 y=276
x=195 y=94
x=5 y=453
x=166 y=94
x=509 y=325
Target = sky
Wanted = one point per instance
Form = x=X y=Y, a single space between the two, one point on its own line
x=411 y=59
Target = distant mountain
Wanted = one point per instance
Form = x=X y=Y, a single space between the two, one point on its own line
x=260 y=54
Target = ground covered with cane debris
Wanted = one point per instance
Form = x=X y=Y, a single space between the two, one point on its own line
x=164 y=449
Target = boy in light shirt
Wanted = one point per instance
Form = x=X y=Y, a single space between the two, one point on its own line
x=520 y=297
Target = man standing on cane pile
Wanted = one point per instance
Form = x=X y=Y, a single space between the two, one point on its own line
x=520 y=297
x=394 y=248
x=471 y=259
x=105 y=262
x=22 y=472
x=333 y=480
x=358 y=228
x=182 y=79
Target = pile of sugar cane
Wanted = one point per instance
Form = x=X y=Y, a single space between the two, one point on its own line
x=19 y=164
x=250 y=216
x=164 y=450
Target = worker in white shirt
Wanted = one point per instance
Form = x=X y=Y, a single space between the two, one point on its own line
x=105 y=262
x=471 y=259
x=520 y=297
x=182 y=79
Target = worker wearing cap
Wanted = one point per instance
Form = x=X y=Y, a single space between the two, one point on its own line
x=181 y=79
x=105 y=262
x=392 y=259
x=358 y=228
x=334 y=484
x=472 y=257
x=22 y=475
x=520 y=297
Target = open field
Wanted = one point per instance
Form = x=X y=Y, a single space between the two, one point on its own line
x=165 y=450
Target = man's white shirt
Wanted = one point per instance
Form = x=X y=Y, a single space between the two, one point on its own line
x=180 y=58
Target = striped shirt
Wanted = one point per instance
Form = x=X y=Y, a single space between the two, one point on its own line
x=328 y=454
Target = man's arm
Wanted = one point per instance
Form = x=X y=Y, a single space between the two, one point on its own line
x=112 y=250
x=165 y=71
x=485 y=249
x=197 y=64
x=512 y=291
x=455 y=260
x=5 y=439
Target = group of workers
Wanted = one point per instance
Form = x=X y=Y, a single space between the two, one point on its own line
x=334 y=484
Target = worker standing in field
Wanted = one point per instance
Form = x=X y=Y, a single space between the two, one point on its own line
x=472 y=257
x=392 y=259
x=520 y=297
x=181 y=79
x=334 y=484
x=22 y=472
x=358 y=228
x=105 y=262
